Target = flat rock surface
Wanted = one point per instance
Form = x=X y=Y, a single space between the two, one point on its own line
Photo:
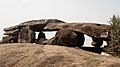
x=33 y=55
x=90 y=29
x=13 y=32
x=34 y=24
x=13 y=28
x=42 y=21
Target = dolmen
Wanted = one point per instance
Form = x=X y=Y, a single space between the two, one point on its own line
x=68 y=34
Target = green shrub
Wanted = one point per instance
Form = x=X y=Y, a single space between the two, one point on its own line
x=114 y=44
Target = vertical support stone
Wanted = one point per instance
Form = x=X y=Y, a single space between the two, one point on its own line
x=68 y=38
x=26 y=35
x=31 y=36
x=97 y=42
x=5 y=39
x=13 y=38
x=108 y=39
x=81 y=38
x=41 y=37
x=10 y=39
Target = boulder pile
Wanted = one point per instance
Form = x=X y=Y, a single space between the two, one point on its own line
x=25 y=32
x=68 y=34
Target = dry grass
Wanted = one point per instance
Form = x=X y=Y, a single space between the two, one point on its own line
x=33 y=55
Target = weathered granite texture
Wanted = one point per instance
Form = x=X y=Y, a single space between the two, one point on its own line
x=25 y=32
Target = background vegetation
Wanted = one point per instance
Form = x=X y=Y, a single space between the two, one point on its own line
x=114 y=44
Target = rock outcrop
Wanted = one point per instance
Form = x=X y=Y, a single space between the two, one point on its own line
x=98 y=32
x=18 y=30
x=33 y=55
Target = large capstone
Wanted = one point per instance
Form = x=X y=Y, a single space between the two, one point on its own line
x=68 y=38
x=26 y=35
x=90 y=29
x=38 y=25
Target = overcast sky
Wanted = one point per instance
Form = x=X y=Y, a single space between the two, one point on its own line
x=13 y=12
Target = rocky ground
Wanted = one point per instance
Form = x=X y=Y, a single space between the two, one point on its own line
x=33 y=55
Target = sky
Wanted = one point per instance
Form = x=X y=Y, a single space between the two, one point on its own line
x=13 y=12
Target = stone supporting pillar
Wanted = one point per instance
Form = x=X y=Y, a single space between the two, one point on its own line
x=68 y=38
x=26 y=35
x=81 y=38
x=11 y=36
x=5 y=39
x=41 y=37
x=97 y=42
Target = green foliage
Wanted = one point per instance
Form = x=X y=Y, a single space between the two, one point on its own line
x=114 y=44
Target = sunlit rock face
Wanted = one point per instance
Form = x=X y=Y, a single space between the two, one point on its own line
x=26 y=35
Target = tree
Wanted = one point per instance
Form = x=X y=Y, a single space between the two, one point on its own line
x=114 y=44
